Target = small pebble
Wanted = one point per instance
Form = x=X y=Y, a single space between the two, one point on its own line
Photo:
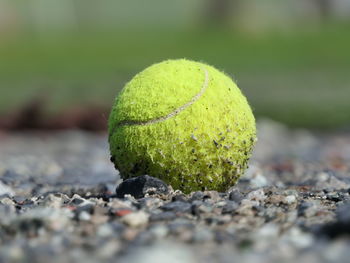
x=140 y=186
x=136 y=219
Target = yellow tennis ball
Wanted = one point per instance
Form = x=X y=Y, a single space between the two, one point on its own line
x=183 y=122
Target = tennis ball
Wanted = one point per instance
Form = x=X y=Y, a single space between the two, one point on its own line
x=185 y=123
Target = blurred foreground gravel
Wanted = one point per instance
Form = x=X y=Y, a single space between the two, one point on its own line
x=58 y=204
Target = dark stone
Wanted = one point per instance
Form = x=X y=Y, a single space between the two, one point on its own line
x=30 y=226
x=230 y=207
x=177 y=206
x=139 y=186
x=235 y=196
x=164 y=216
x=77 y=201
x=179 y=197
x=195 y=208
x=303 y=207
x=335 y=197
x=341 y=227
x=197 y=196
x=211 y=220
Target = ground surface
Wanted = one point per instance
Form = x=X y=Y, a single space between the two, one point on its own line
x=57 y=204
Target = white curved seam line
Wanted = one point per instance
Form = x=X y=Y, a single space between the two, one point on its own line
x=173 y=113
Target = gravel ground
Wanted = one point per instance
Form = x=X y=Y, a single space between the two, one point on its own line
x=58 y=203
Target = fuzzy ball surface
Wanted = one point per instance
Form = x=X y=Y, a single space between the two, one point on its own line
x=185 y=123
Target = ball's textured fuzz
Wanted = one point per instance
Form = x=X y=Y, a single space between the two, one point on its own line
x=184 y=122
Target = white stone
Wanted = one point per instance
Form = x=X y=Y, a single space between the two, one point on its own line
x=135 y=219
x=6 y=190
x=290 y=199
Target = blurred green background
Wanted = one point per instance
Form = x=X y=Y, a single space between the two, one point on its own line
x=291 y=58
